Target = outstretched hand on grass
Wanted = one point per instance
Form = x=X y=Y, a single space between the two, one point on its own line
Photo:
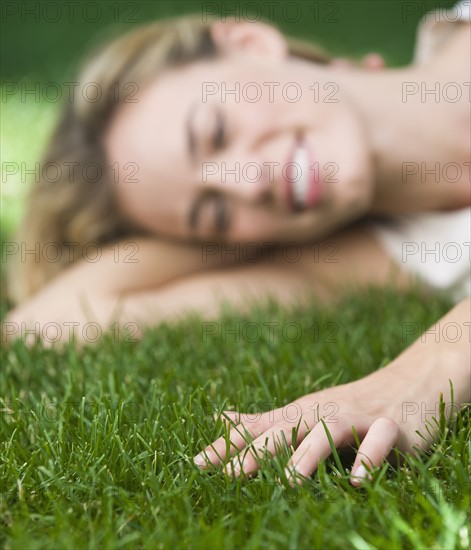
x=395 y=407
x=308 y=423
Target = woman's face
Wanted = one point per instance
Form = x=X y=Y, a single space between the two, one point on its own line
x=251 y=146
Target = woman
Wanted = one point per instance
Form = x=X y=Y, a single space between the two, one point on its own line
x=194 y=160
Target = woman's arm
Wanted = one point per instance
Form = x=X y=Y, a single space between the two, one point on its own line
x=137 y=294
x=386 y=408
x=106 y=295
x=86 y=291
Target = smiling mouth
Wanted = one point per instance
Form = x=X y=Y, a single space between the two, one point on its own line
x=303 y=186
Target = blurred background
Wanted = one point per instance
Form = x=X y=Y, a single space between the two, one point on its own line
x=43 y=42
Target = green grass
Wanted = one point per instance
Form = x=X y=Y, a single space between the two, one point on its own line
x=97 y=444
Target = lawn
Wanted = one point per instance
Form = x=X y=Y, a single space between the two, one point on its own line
x=97 y=444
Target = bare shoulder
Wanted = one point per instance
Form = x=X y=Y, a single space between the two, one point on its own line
x=352 y=258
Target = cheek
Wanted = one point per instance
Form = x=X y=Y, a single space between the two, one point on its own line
x=133 y=202
x=156 y=209
x=138 y=199
x=252 y=119
x=344 y=158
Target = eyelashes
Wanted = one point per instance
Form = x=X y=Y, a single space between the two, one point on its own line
x=214 y=204
x=221 y=210
x=221 y=214
x=220 y=134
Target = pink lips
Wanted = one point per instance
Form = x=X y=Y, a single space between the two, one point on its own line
x=315 y=187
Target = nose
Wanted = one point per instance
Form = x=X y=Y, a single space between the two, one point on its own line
x=245 y=177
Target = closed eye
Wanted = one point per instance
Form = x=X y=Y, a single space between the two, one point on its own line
x=218 y=208
x=222 y=213
x=219 y=140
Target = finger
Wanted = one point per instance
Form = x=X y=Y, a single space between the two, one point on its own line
x=235 y=417
x=219 y=451
x=314 y=448
x=239 y=436
x=376 y=446
x=269 y=443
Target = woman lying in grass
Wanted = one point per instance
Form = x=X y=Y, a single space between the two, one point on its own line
x=343 y=157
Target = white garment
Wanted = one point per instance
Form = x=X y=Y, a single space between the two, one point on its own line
x=434 y=246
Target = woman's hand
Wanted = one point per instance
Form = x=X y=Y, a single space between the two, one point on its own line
x=386 y=409
x=367 y=405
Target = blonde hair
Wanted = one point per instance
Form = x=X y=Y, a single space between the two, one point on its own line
x=71 y=212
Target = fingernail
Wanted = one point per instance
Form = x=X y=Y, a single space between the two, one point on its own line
x=360 y=474
x=199 y=460
x=232 y=469
x=235 y=469
x=292 y=476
